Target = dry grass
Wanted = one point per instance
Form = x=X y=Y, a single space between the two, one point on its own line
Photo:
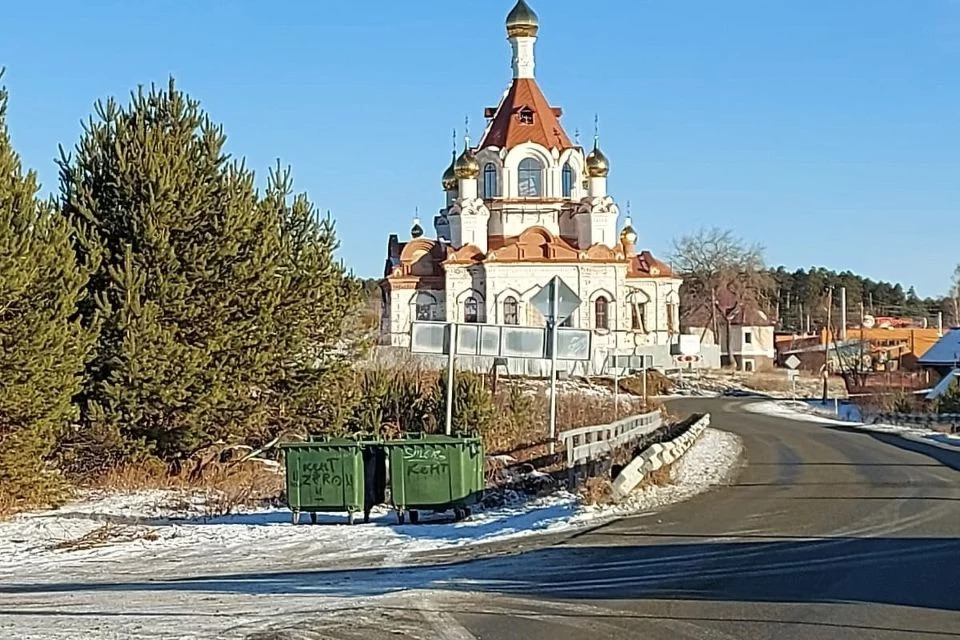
x=521 y=423
x=659 y=478
x=596 y=491
x=8 y=506
x=769 y=382
x=225 y=486
x=103 y=536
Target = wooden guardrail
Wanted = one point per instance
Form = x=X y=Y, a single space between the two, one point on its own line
x=592 y=443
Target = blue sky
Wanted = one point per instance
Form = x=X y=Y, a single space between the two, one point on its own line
x=827 y=130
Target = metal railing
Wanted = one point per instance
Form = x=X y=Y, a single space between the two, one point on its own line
x=592 y=443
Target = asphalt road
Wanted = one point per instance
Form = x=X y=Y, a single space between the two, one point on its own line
x=826 y=532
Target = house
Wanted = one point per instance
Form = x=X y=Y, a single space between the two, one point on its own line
x=944 y=356
x=524 y=205
x=744 y=332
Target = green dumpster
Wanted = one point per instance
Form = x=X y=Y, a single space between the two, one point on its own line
x=324 y=474
x=435 y=472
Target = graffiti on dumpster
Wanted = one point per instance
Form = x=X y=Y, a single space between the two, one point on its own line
x=323 y=476
x=422 y=461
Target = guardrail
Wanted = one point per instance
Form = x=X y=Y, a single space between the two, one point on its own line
x=592 y=443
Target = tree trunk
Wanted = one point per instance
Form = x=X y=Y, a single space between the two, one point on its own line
x=730 y=356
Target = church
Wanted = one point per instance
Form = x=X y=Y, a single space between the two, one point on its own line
x=523 y=205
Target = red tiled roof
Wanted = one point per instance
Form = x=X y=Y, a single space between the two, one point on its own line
x=644 y=265
x=506 y=131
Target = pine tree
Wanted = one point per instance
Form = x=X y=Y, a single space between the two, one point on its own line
x=42 y=345
x=208 y=294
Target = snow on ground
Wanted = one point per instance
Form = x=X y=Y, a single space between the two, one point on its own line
x=826 y=414
x=166 y=571
x=126 y=531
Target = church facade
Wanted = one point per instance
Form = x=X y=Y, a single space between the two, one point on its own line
x=522 y=206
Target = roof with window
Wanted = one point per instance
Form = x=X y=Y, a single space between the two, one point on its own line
x=524 y=115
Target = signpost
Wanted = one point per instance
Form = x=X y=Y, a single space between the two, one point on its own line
x=556 y=301
x=792 y=374
x=631 y=364
x=509 y=341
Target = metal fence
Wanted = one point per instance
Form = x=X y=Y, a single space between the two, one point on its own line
x=592 y=443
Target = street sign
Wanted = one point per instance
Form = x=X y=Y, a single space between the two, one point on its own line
x=792 y=374
x=689 y=358
x=496 y=341
x=793 y=362
x=557 y=291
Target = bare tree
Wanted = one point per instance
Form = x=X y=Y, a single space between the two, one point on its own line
x=722 y=273
x=955 y=295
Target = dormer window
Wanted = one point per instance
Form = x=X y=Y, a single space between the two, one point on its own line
x=525 y=115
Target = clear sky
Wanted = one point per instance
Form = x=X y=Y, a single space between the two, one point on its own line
x=827 y=130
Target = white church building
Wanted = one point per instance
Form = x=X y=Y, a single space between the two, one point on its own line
x=522 y=206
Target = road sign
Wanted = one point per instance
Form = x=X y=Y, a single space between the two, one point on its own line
x=689 y=358
x=556 y=292
x=793 y=362
x=792 y=374
x=490 y=340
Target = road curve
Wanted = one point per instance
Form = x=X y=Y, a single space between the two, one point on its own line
x=827 y=532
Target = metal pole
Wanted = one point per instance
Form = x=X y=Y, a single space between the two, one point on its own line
x=826 y=345
x=553 y=365
x=644 y=370
x=450 y=358
x=843 y=313
x=940 y=323
x=616 y=388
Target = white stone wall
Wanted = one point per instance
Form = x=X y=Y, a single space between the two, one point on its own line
x=402 y=310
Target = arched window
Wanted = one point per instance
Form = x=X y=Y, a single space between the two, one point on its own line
x=426 y=307
x=471 y=310
x=490 y=181
x=510 y=311
x=530 y=178
x=601 y=317
x=567 y=181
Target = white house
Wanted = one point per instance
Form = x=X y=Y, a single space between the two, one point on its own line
x=522 y=206
x=745 y=334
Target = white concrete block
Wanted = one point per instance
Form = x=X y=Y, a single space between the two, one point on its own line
x=629 y=478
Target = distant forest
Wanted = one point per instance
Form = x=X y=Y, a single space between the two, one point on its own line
x=801 y=292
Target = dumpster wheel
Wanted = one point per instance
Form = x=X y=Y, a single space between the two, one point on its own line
x=414 y=516
x=351 y=517
x=313 y=517
x=400 y=516
x=296 y=517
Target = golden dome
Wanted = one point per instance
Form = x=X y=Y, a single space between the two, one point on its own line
x=450 y=175
x=628 y=236
x=466 y=167
x=597 y=164
x=522 y=21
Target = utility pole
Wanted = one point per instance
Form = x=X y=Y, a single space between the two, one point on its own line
x=826 y=344
x=862 y=339
x=940 y=323
x=843 y=313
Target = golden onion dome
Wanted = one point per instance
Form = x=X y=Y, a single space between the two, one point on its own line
x=416 y=230
x=450 y=175
x=466 y=167
x=597 y=164
x=628 y=236
x=522 y=21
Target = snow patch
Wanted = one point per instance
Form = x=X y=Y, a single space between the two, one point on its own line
x=824 y=414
